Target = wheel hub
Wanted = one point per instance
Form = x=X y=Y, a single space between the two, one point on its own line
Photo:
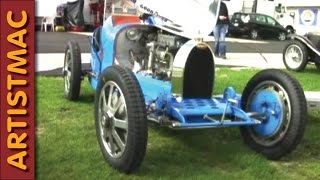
x=107 y=120
x=294 y=56
x=293 y=53
x=268 y=104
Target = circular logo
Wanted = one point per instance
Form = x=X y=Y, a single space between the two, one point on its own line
x=307 y=17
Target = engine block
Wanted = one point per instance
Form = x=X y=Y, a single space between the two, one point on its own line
x=170 y=41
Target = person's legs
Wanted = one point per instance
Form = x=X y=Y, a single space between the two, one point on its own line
x=216 y=33
x=222 y=41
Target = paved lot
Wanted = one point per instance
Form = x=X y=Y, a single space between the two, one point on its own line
x=55 y=42
x=241 y=52
x=50 y=47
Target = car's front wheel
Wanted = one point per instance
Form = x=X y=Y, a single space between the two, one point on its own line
x=295 y=56
x=120 y=118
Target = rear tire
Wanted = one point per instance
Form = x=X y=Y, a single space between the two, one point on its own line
x=254 y=34
x=282 y=99
x=295 y=56
x=120 y=118
x=72 y=71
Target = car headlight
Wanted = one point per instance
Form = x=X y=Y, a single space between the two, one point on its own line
x=133 y=34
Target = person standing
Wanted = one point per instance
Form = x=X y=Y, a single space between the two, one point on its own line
x=220 y=31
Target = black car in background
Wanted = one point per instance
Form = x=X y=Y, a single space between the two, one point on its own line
x=256 y=25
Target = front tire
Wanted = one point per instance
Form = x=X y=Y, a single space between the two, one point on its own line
x=120 y=118
x=72 y=71
x=295 y=56
x=280 y=98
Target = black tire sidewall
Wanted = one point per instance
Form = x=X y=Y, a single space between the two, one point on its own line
x=75 y=79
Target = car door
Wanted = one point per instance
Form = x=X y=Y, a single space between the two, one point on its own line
x=261 y=25
x=272 y=27
x=244 y=24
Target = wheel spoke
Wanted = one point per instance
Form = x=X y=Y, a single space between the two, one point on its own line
x=111 y=142
x=67 y=83
x=67 y=71
x=115 y=98
x=294 y=56
x=117 y=105
x=113 y=107
x=118 y=139
x=122 y=124
x=104 y=102
x=105 y=134
x=110 y=94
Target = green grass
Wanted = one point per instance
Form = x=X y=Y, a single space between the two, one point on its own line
x=67 y=147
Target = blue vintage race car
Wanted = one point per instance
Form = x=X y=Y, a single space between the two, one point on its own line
x=136 y=63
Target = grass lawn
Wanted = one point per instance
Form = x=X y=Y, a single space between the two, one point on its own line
x=67 y=147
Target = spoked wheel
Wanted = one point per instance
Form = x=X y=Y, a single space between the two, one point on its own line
x=120 y=118
x=72 y=71
x=281 y=104
x=295 y=56
x=254 y=34
x=282 y=36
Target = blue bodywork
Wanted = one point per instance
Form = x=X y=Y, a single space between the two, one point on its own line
x=189 y=112
x=101 y=59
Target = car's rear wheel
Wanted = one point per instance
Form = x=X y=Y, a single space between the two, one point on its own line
x=72 y=71
x=254 y=34
x=295 y=56
x=282 y=36
x=280 y=101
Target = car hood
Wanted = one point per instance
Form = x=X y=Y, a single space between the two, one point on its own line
x=189 y=18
